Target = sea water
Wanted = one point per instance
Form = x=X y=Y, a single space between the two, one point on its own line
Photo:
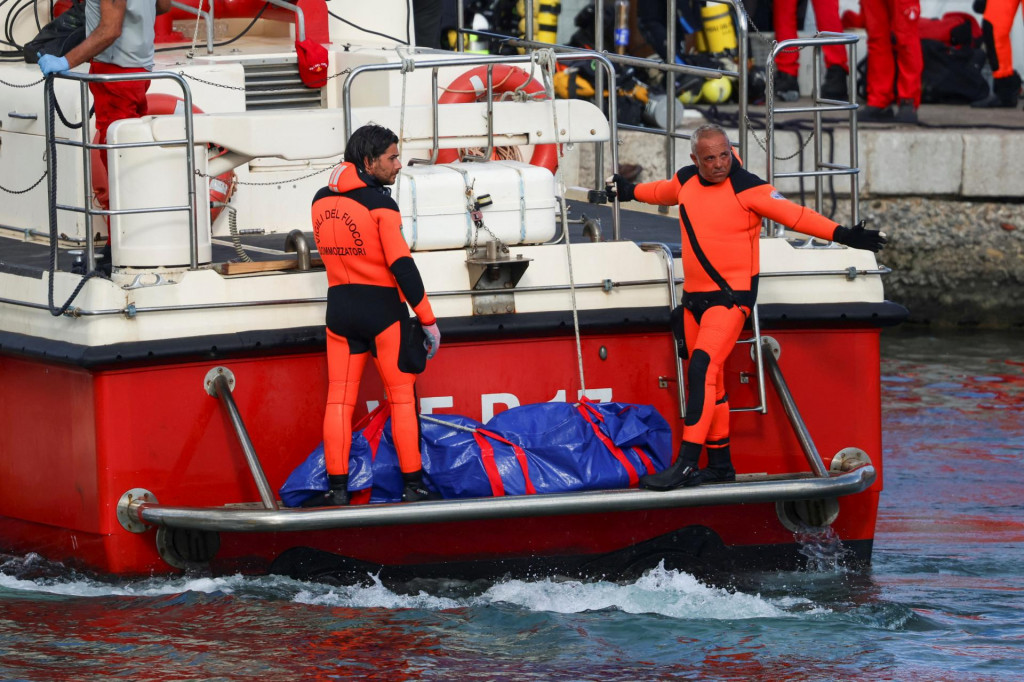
x=942 y=601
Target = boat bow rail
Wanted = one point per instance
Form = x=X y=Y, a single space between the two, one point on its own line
x=138 y=508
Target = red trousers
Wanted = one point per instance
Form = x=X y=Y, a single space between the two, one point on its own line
x=885 y=21
x=826 y=16
x=1000 y=14
x=117 y=100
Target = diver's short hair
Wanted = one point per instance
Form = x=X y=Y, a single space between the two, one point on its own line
x=703 y=131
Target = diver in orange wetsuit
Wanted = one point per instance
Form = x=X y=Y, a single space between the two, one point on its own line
x=996 y=26
x=721 y=205
x=370 y=276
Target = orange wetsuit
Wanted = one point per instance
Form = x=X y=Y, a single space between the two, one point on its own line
x=998 y=22
x=721 y=225
x=370 y=275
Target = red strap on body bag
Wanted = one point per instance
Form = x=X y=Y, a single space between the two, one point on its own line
x=312 y=63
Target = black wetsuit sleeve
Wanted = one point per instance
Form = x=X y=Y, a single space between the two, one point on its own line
x=409 y=281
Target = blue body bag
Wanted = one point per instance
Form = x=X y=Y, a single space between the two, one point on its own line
x=530 y=449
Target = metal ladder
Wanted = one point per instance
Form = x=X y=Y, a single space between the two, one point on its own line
x=822 y=168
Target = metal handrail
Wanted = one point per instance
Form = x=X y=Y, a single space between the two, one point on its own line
x=240 y=519
x=490 y=61
x=300 y=18
x=673 y=302
x=668 y=68
x=87 y=146
x=820 y=106
x=757 y=344
x=220 y=388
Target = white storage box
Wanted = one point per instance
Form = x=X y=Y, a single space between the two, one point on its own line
x=435 y=211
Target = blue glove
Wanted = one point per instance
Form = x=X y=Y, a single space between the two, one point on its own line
x=433 y=341
x=49 y=64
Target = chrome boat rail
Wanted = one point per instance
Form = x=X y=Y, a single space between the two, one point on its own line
x=137 y=508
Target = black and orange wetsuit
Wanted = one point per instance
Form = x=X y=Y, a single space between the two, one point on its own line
x=370 y=275
x=997 y=25
x=721 y=225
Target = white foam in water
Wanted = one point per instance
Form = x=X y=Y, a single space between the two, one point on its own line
x=85 y=587
x=664 y=592
x=373 y=596
x=660 y=591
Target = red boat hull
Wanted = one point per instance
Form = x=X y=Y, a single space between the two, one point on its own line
x=74 y=440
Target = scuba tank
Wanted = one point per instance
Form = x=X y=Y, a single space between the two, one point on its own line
x=621 y=26
x=545 y=20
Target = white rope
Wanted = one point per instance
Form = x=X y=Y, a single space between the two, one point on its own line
x=545 y=58
x=195 y=33
x=408 y=66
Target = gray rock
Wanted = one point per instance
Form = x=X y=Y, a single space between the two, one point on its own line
x=955 y=263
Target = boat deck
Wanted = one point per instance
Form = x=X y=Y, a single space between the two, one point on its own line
x=17 y=254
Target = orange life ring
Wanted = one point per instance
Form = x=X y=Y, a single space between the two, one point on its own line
x=471 y=86
x=221 y=186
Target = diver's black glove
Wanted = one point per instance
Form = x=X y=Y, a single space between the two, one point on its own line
x=979 y=6
x=858 y=238
x=622 y=188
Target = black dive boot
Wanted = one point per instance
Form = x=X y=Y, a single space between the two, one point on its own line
x=1005 y=93
x=719 y=466
x=415 y=491
x=682 y=474
x=336 y=496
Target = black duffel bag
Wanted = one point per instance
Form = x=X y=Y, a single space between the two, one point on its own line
x=59 y=36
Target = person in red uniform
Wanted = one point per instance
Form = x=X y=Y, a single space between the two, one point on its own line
x=837 y=68
x=721 y=206
x=893 y=43
x=371 y=276
x=119 y=39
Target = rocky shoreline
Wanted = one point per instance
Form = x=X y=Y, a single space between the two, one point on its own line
x=954 y=263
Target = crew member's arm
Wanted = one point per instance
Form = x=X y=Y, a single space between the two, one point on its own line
x=407 y=275
x=767 y=201
x=659 y=192
x=163 y=6
x=401 y=264
x=107 y=31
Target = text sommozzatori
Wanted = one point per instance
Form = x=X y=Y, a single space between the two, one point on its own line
x=357 y=239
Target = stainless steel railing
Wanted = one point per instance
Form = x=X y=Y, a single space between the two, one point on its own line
x=818 y=107
x=87 y=145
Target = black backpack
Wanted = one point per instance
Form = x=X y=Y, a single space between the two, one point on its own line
x=952 y=75
x=59 y=36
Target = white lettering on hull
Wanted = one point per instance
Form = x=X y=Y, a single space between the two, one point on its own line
x=489 y=400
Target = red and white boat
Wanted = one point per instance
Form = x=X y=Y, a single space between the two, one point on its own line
x=146 y=426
